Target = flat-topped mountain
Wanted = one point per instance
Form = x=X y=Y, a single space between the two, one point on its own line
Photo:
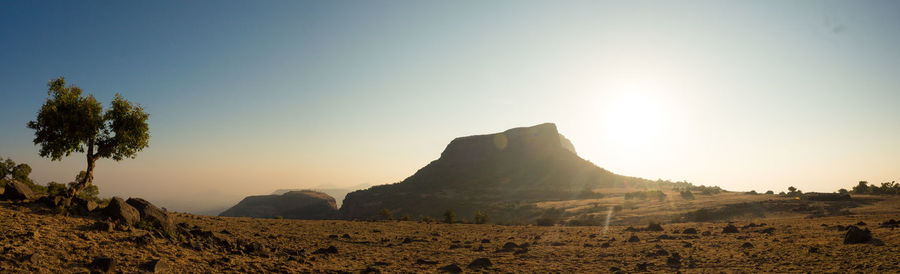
x=304 y=204
x=491 y=172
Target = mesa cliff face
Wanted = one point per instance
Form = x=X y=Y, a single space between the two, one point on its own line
x=488 y=173
x=307 y=205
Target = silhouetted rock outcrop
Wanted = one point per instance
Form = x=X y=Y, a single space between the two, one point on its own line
x=152 y=214
x=483 y=172
x=16 y=190
x=119 y=210
x=308 y=205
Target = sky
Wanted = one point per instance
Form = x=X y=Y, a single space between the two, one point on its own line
x=247 y=97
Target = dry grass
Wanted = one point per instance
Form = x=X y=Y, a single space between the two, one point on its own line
x=68 y=244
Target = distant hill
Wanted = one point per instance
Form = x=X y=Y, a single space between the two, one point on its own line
x=305 y=204
x=493 y=173
x=337 y=192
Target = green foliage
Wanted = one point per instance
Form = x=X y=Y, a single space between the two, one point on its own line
x=145 y=225
x=480 y=217
x=405 y=217
x=71 y=122
x=886 y=188
x=54 y=188
x=644 y=195
x=752 y=192
x=11 y=171
x=385 y=214
x=278 y=217
x=793 y=192
x=426 y=219
x=449 y=216
x=687 y=195
x=769 y=192
x=843 y=191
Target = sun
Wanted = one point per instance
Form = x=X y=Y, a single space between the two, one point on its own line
x=634 y=120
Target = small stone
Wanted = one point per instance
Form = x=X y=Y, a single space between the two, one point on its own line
x=156 y=266
x=730 y=228
x=480 y=263
x=450 y=268
x=103 y=264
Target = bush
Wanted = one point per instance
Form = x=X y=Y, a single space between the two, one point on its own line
x=385 y=214
x=480 y=217
x=752 y=192
x=687 y=195
x=449 y=216
x=843 y=191
x=426 y=219
x=769 y=192
x=644 y=195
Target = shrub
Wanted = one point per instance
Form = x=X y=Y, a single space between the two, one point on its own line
x=770 y=192
x=480 y=217
x=687 y=195
x=449 y=216
x=385 y=214
x=426 y=219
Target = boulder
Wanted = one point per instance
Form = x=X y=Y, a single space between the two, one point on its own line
x=52 y=201
x=730 y=228
x=84 y=206
x=156 y=266
x=480 y=263
x=103 y=264
x=152 y=214
x=119 y=210
x=689 y=230
x=857 y=236
x=16 y=190
x=450 y=268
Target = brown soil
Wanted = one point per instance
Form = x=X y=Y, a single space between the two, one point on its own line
x=36 y=239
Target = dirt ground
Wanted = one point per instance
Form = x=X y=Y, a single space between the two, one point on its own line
x=35 y=239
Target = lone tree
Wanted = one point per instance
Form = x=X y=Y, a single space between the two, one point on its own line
x=69 y=122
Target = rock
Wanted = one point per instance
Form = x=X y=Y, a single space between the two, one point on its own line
x=104 y=226
x=857 y=236
x=103 y=264
x=485 y=241
x=51 y=201
x=654 y=227
x=861 y=223
x=747 y=245
x=119 y=210
x=664 y=237
x=813 y=249
x=642 y=266
x=510 y=245
x=480 y=263
x=633 y=239
x=84 y=206
x=706 y=233
x=674 y=260
x=150 y=213
x=769 y=230
x=326 y=251
x=730 y=228
x=450 y=268
x=689 y=231
x=370 y=270
x=604 y=245
x=16 y=190
x=423 y=261
x=156 y=266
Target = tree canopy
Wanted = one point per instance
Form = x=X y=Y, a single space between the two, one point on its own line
x=71 y=122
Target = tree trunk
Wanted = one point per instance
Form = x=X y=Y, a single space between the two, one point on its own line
x=88 y=175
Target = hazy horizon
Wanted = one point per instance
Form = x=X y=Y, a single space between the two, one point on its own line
x=249 y=97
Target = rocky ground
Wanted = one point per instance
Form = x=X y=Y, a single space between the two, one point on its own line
x=35 y=238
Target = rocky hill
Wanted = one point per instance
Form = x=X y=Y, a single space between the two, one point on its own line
x=304 y=204
x=493 y=172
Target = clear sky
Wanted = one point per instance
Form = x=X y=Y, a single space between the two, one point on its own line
x=247 y=97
